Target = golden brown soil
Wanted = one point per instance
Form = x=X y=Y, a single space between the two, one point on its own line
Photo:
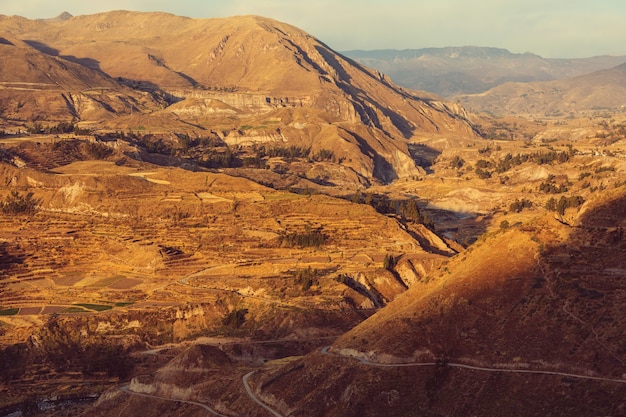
x=139 y=243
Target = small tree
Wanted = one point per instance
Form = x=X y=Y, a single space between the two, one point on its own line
x=389 y=262
x=235 y=318
x=457 y=162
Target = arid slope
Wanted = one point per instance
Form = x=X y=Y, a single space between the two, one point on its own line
x=263 y=80
x=537 y=310
x=604 y=89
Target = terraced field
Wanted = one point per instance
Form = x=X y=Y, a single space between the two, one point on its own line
x=110 y=238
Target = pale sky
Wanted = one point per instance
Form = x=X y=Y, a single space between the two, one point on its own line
x=550 y=28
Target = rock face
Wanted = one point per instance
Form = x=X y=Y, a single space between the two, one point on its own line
x=248 y=73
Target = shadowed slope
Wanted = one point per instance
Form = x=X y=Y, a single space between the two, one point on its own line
x=538 y=311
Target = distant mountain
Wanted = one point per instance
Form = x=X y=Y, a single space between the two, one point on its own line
x=253 y=79
x=604 y=89
x=470 y=70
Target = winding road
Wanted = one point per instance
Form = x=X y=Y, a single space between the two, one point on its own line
x=256 y=399
x=126 y=389
x=325 y=351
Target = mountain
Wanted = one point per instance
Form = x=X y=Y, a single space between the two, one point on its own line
x=254 y=79
x=471 y=70
x=604 y=89
x=37 y=86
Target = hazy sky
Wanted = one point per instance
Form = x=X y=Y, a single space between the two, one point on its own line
x=551 y=28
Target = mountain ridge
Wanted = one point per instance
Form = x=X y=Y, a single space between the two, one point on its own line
x=257 y=66
x=600 y=90
x=451 y=71
x=513 y=305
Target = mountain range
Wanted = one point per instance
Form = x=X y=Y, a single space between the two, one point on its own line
x=250 y=79
x=454 y=71
x=599 y=90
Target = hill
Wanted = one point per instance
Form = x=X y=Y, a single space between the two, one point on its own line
x=255 y=78
x=529 y=319
x=533 y=312
x=471 y=70
x=38 y=87
x=600 y=90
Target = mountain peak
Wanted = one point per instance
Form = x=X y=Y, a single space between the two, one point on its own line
x=64 y=16
x=60 y=18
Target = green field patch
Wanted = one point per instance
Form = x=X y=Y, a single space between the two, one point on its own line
x=95 y=307
x=105 y=282
x=9 y=312
x=124 y=303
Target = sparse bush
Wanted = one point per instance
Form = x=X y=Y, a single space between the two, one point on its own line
x=519 y=205
x=324 y=155
x=564 y=203
x=551 y=188
x=409 y=210
x=604 y=169
x=309 y=238
x=35 y=129
x=482 y=174
x=390 y=261
x=16 y=204
x=235 y=318
x=306 y=278
x=98 y=150
x=289 y=152
x=457 y=162
x=482 y=163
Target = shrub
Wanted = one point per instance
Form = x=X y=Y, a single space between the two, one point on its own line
x=564 y=203
x=519 y=205
x=306 y=278
x=324 y=155
x=457 y=162
x=482 y=174
x=308 y=238
x=15 y=204
x=235 y=318
x=389 y=263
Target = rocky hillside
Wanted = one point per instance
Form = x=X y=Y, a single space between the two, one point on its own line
x=604 y=89
x=255 y=78
x=528 y=319
x=534 y=311
x=36 y=86
x=471 y=70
